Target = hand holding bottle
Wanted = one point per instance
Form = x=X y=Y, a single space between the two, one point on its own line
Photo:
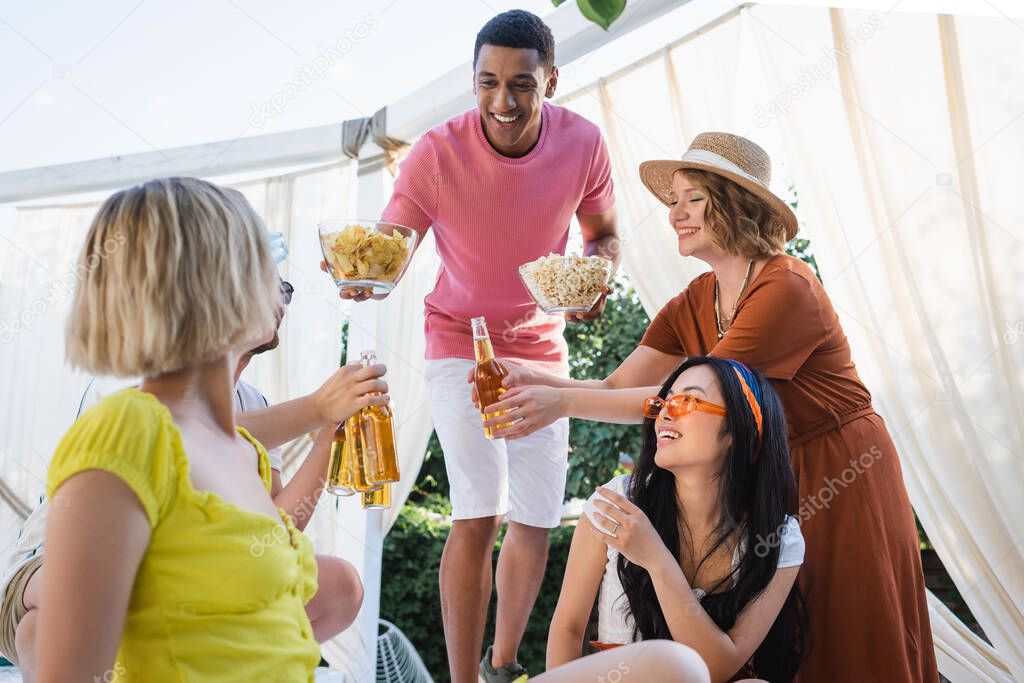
x=350 y=389
x=518 y=376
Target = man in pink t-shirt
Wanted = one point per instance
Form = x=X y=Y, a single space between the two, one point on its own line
x=499 y=185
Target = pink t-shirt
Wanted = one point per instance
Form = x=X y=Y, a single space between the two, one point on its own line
x=492 y=213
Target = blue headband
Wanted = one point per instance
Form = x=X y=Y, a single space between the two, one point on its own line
x=748 y=377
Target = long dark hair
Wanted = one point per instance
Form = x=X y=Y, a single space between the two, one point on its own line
x=756 y=490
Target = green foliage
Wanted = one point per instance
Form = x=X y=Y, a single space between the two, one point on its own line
x=409 y=593
x=343 y=359
x=801 y=249
x=596 y=348
x=601 y=12
x=799 y=246
x=433 y=478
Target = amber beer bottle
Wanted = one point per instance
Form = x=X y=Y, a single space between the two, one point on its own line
x=356 y=455
x=339 y=480
x=346 y=471
x=489 y=373
x=378 y=498
x=378 y=433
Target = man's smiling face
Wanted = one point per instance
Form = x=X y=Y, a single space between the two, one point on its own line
x=510 y=86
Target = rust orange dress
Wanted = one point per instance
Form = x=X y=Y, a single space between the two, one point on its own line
x=861 y=575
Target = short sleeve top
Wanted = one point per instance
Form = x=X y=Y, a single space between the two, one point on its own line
x=220 y=592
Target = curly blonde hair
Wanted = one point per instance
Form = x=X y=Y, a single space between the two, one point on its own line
x=736 y=219
x=173 y=273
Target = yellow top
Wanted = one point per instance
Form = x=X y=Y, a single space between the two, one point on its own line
x=219 y=594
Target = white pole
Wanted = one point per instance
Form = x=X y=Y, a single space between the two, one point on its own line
x=373 y=192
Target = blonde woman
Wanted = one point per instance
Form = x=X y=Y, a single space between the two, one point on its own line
x=156 y=495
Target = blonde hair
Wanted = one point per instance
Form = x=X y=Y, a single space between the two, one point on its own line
x=737 y=220
x=173 y=273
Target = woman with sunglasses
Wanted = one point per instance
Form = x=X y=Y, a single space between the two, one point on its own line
x=695 y=546
x=768 y=310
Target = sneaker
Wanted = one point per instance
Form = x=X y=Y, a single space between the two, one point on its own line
x=510 y=673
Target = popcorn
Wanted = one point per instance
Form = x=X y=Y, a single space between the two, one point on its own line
x=566 y=283
x=357 y=252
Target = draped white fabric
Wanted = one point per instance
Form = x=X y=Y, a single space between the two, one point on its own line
x=39 y=393
x=904 y=164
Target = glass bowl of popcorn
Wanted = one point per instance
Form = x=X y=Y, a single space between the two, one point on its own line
x=366 y=256
x=566 y=284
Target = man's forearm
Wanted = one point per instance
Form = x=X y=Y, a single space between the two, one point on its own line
x=608 y=246
x=299 y=497
x=282 y=422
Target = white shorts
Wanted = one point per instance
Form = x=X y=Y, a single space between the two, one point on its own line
x=523 y=478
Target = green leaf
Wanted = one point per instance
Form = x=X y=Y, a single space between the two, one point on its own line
x=556 y=3
x=601 y=12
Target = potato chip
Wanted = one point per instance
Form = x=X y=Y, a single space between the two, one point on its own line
x=357 y=252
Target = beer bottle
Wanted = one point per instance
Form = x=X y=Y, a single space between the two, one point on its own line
x=378 y=498
x=356 y=454
x=379 y=436
x=339 y=480
x=489 y=373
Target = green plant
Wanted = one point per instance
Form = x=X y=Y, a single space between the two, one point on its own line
x=601 y=12
x=409 y=595
x=596 y=348
x=433 y=478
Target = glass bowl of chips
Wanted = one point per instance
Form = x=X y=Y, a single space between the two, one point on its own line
x=566 y=284
x=366 y=256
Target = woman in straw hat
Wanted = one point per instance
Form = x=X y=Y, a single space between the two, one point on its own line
x=862 y=573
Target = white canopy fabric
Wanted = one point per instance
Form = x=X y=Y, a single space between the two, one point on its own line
x=903 y=160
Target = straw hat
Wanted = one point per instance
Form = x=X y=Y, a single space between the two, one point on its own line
x=727 y=155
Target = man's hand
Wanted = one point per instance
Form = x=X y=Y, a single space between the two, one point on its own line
x=347 y=391
x=594 y=312
x=354 y=293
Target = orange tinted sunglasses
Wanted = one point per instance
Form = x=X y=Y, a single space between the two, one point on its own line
x=679 y=405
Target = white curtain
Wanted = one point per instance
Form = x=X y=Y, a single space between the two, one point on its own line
x=900 y=133
x=39 y=394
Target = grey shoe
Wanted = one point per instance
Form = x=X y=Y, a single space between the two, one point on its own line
x=510 y=673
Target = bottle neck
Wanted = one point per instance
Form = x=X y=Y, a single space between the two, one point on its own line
x=482 y=349
x=481 y=340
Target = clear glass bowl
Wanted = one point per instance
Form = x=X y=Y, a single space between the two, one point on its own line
x=366 y=255
x=557 y=289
